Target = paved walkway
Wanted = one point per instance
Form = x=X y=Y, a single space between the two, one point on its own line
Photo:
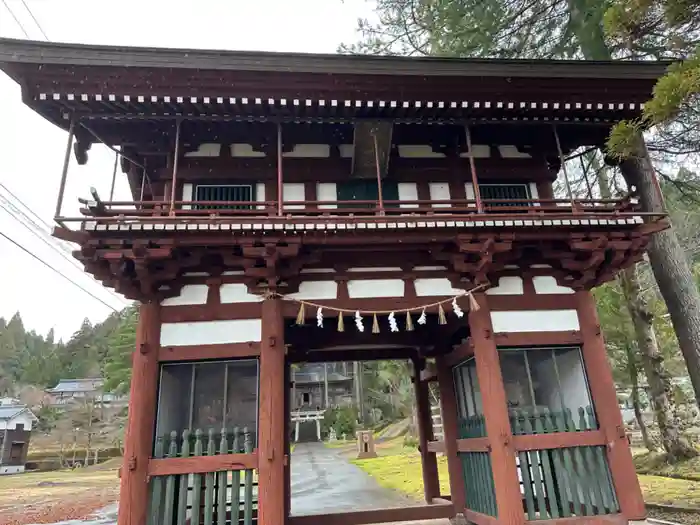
x=324 y=482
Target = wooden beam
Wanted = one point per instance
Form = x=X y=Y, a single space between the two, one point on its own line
x=213 y=351
x=589 y=438
x=272 y=438
x=202 y=464
x=602 y=387
x=495 y=408
x=363 y=517
x=431 y=481
x=473 y=445
x=538 y=338
x=141 y=419
x=477 y=518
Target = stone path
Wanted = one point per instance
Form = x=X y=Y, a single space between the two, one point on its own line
x=324 y=482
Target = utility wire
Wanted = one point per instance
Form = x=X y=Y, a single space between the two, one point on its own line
x=43 y=239
x=7 y=6
x=63 y=250
x=25 y=250
x=35 y=20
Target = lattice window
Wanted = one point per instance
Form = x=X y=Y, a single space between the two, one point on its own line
x=498 y=195
x=224 y=193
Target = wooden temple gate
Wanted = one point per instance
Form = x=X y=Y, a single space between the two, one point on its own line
x=273 y=189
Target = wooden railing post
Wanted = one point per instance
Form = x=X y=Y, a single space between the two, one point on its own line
x=271 y=442
x=602 y=387
x=495 y=407
x=431 y=485
x=448 y=405
x=138 y=440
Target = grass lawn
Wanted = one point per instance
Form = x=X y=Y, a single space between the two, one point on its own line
x=399 y=468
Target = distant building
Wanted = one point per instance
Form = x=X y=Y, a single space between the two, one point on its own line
x=5 y=401
x=81 y=390
x=16 y=422
x=317 y=387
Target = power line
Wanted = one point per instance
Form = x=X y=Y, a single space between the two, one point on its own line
x=36 y=22
x=48 y=243
x=25 y=250
x=59 y=248
x=15 y=18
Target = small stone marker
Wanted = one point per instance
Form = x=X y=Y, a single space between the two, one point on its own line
x=365 y=445
x=331 y=435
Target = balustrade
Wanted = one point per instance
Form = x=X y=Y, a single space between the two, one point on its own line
x=225 y=495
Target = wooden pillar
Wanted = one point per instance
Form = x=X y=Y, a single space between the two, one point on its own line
x=271 y=439
x=495 y=407
x=448 y=405
x=424 y=419
x=602 y=387
x=138 y=439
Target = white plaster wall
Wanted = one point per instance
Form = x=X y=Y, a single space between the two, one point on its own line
x=245 y=150
x=375 y=269
x=309 y=151
x=237 y=293
x=24 y=418
x=293 y=191
x=439 y=191
x=534 y=321
x=408 y=191
x=469 y=191
x=260 y=194
x=326 y=192
x=206 y=150
x=190 y=294
x=16 y=469
x=548 y=284
x=481 y=151
x=435 y=287
x=310 y=290
x=318 y=270
x=511 y=152
x=510 y=285
x=211 y=332
x=419 y=151
x=346 y=150
x=187 y=189
x=362 y=289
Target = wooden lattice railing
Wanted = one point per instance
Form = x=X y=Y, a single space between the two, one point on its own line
x=223 y=495
x=564 y=481
x=480 y=491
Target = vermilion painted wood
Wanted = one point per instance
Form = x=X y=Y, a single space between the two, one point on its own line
x=602 y=388
x=431 y=481
x=495 y=407
x=138 y=439
x=425 y=512
x=202 y=464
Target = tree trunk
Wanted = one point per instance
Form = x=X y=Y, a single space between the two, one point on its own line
x=636 y=403
x=674 y=444
x=670 y=267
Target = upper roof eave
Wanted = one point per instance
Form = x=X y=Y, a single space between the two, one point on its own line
x=15 y=51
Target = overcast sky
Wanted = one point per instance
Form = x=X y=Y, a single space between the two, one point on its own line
x=32 y=149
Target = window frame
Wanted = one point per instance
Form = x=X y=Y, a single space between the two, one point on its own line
x=195 y=194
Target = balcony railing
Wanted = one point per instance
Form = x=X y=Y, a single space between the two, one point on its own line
x=106 y=215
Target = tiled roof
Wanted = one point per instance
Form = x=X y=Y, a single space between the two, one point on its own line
x=77 y=385
x=8 y=412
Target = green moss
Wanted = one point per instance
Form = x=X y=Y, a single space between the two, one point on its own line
x=402 y=472
x=668 y=491
x=654 y=463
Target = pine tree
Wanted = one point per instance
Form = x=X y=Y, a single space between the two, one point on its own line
x=566 y=29
x=121 y=344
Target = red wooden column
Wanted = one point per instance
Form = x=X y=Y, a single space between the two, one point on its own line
x=138 y=439
x=602 y=387
x=448 y=407
x=271 y=438
x=495 y=406
x=424 y=418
